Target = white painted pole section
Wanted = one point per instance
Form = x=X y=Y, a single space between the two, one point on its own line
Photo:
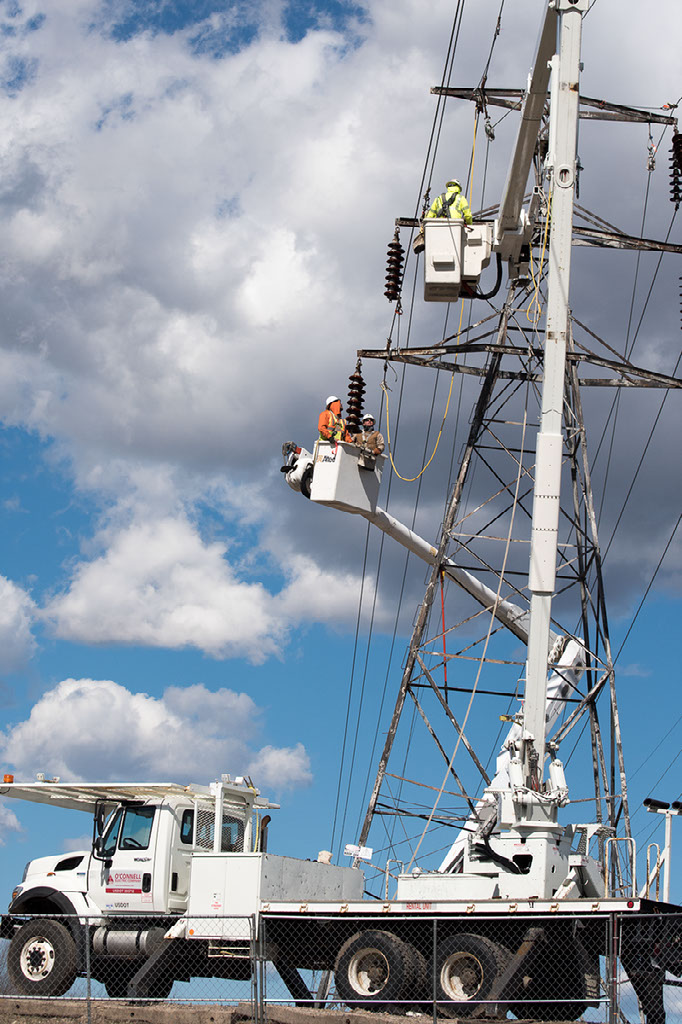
x=561 y=163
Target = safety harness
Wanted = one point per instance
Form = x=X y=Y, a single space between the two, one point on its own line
x=446 y=203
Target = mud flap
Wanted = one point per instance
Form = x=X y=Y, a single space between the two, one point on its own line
x=298 y=990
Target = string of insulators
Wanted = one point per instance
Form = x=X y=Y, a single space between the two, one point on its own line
x=394 y=267
x=356 y=392
x=676 y=170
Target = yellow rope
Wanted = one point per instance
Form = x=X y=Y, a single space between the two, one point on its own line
x=384 y=388
x=535 y=301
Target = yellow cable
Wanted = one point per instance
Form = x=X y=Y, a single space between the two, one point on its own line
x=384 y=388
x=535 y=301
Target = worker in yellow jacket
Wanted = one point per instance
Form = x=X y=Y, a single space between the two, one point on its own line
x=451 y=204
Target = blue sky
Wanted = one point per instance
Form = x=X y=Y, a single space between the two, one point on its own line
x=195 y=203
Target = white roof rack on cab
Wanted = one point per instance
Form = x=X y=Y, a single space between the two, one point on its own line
x=84 y=796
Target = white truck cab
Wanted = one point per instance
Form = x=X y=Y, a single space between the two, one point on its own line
x=143 y=840
x=157 y=850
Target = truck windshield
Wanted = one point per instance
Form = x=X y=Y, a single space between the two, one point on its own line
x=137 y=828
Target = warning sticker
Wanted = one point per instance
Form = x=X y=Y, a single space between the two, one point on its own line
x=124 y=881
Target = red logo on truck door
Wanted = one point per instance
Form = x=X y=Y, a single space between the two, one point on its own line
x=124 y=881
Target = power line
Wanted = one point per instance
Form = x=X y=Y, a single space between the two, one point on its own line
x=646 y=592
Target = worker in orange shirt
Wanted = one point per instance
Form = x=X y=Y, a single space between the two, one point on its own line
x=331 y=426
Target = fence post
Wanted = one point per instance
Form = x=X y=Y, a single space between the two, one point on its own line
x=613 y=968
x=261 y=944
x=254 y=970
x=433 y=972
x=88 y=990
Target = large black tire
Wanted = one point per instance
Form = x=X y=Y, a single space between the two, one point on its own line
x=374 y=971
x=466 y=968
x=42 y=959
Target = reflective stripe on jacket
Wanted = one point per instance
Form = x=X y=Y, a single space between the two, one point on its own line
x=332 y=427
x=455 y=206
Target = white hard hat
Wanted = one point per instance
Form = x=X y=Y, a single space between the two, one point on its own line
x=368 y=416
x=453 y=181
x=332 y=398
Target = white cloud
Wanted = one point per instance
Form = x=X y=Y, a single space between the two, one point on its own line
x=180 y=232
x=87 y=729
x=274 y=764
x=75 y=843
x=8 y=823
x=16 y=616
x=634 y=669
x=159 y=584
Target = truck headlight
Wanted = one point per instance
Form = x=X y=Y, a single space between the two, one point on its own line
x=16 y=891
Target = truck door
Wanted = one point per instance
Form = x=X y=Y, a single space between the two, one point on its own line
x=122 y=880
x=181 y=859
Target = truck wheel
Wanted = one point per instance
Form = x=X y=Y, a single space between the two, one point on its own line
x=373 y=970
x=42 y=959
x=466 y=967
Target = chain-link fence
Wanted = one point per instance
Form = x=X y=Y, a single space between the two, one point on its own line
x=613 y=968
x=130 y=957
x=601 y=967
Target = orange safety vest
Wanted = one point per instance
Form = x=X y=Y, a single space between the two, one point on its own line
x=332 y=427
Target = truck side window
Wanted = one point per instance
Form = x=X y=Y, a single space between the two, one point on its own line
x=187 y=827
x=232 y=837
x=137 y=828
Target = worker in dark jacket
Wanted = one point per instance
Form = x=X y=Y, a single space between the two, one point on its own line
x=370 y=439
x=450 y=204
x=330 y=425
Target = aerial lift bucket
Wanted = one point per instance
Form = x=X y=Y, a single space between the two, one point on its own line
x=452 y=256
x=344 y=478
